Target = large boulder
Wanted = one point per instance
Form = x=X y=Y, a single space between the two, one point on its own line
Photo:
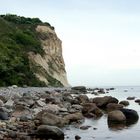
x=103 y=101
x=79 y=88
x=49 y=132
x=131 y=115
x=116 y=117
x=114 y=106
x=91 y=110
x=47 y=118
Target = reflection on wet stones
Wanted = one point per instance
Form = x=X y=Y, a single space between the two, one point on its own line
x=115 y=123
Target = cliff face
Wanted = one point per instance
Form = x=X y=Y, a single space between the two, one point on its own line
x=51 y=63
x=30 y=53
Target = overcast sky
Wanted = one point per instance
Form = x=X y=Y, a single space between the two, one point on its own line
x=101 y=38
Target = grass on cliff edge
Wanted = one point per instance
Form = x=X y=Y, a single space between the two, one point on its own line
x=17 y=38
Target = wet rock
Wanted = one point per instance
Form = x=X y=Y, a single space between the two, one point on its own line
x=75 y=117
x=114 y=106
x=137 y=100
x=49 y=132
x=130 y=114
x=82 y=99
x=91 y=110
x=103 y=101
x=116 y=126
x=47 y=118
x=77 y=137
x=79 y=88
x=125 y=103
x=131 y=98
x=116 y=117
x=85 y=127
x=111 y=88
x=101 y=91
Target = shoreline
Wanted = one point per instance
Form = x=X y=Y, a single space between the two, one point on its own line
x=43 y=113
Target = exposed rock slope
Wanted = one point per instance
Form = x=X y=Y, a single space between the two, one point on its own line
x=52 y=61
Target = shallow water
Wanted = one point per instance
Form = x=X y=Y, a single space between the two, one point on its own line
x=103 y=132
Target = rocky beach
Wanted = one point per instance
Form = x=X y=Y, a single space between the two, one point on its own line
x=32 y=113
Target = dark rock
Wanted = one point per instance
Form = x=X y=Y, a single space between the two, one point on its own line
x=137 y=100
x=49 y=100
x=131 y=98
x=111 y=88
x=85 y=127
x=103 y=101
x=91 y=110
x=126 y=90
x=101 y=91
x=125 y=103
x=79 y=88
x=77 y=137
x=130 y=114
x=114 y=106
x=49 y=132
x=116 y=126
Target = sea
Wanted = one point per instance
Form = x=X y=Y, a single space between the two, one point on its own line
x=100 y=130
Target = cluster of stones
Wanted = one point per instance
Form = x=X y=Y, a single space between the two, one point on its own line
x=42 y=115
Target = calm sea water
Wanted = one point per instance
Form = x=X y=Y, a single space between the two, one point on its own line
x=103 y=132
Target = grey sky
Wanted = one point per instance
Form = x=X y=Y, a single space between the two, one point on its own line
x=101 y=38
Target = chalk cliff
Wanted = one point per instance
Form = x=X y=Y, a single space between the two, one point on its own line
x=51 y=63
